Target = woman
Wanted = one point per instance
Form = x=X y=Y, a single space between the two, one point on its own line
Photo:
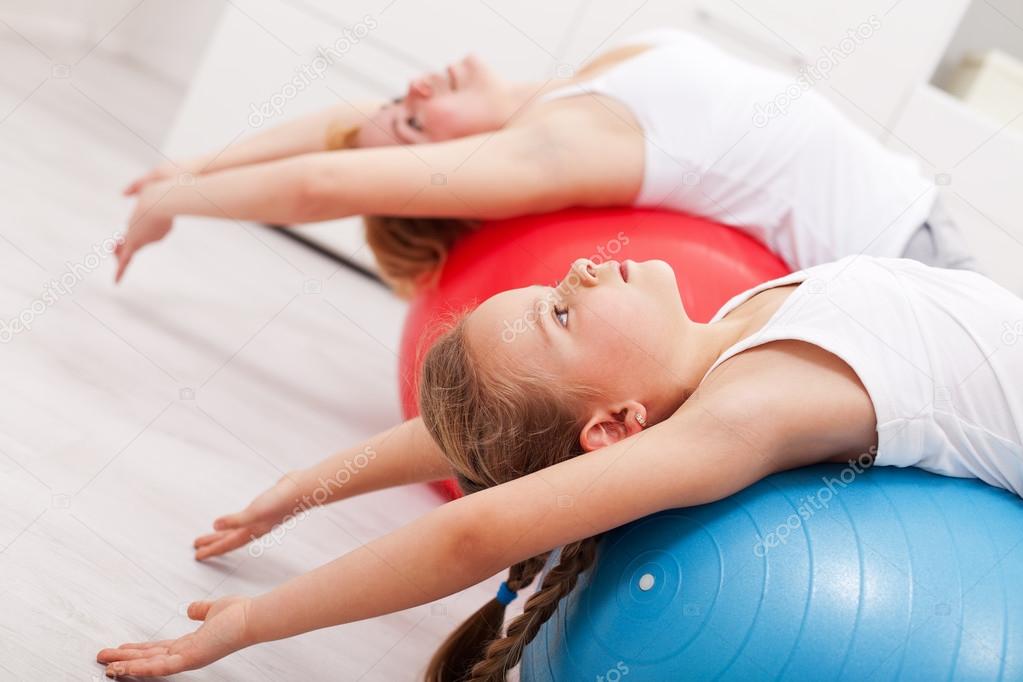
x=616 y=406
x=665 y=120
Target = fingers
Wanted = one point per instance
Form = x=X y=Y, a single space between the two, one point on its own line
x=123 y=258
x=204 y=540
x=132 y=653
x=138 y=183
x=144 y=645
x=154 y=666
x=232 y=521
x=197 y=610
x=225 y=542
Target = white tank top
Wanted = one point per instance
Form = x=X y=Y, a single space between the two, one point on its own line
x=939 y=351
x=808 y=183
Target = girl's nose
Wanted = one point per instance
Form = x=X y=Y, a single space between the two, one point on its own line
x=585 y=271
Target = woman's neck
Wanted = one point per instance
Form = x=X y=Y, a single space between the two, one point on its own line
x=521 y=93
x=517 y=96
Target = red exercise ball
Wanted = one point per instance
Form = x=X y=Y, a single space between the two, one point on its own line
x=712 y=263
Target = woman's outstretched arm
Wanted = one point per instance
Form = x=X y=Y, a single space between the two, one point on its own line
x=301 y=135
x=443 y=179
x=398 y=456
x=539 y=166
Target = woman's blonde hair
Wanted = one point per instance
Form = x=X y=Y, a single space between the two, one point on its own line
x=409 y=251
x=494 y=427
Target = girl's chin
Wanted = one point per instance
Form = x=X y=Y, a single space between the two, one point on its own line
x=656 y=268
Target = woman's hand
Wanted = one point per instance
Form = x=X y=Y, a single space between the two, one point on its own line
x=167 y=170
x=164 y=171
x=223 y=631
x=263 y=513
x=147 y=224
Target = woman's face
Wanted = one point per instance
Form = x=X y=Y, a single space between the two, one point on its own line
x=616 y=327
x=460 y=101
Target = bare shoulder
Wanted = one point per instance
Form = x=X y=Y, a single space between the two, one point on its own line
x=805 y=402
x=610 y=58
x=595 y=142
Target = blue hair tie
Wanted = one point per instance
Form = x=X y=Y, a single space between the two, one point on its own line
x=505 y=594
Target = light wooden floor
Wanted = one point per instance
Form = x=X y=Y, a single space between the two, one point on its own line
x=131 y=417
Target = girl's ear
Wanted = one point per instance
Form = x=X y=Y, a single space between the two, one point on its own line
x=609 y=425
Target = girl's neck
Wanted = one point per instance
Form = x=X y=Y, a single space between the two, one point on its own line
x=698 y=348
x=710 y=341
x=748 y=318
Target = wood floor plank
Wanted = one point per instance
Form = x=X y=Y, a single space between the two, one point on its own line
x=132 y=416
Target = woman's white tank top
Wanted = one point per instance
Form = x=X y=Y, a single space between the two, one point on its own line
x=806 y=182
x=939 y=351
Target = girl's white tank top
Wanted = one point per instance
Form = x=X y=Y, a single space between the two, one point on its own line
x=939 y=351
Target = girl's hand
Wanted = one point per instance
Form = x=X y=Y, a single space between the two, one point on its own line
x=222 y=633
x=147 y=224
x=262 y=514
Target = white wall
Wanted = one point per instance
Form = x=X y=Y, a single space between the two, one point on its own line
x=986 y=24
x=166 y=36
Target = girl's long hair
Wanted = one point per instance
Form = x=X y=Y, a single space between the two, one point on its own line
x=410 y=252
x=494 y=429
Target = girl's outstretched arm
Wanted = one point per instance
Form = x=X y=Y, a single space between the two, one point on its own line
x=775 y=407
x=688 y=459
x=301 y=135
x=398 y=456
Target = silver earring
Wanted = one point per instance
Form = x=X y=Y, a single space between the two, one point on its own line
x=641 y=419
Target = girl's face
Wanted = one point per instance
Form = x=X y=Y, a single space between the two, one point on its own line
x=615 y=327
x=460 y=101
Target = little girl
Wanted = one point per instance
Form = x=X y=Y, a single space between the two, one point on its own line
x=615 y=405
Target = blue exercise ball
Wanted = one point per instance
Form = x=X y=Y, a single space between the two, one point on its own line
x=821 y=573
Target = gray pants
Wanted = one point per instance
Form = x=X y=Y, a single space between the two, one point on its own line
x=938 y=242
